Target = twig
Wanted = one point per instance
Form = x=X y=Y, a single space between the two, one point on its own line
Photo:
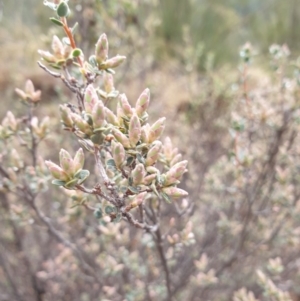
x=10 y=278
x=60 y=76
x=159 y=245
x=46 y=221
x=71 y=38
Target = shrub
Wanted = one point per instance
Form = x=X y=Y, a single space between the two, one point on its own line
x=115 y=225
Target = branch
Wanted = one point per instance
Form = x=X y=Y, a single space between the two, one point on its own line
x=58 y=75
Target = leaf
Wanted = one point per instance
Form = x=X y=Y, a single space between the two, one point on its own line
x=82 y=175
x=99 y=130
x=129 y=161
x=111 y=71
x=123 y=189
x=118 y=218
x=113 y=94
x=56 y=22
x=134 y=189
x=71 y=183
x=140 y=158
x=165 y=197
x=74 y=27
x=92 y=60
x=154 y=189
x=76 y=52
x=110 y=209
x=58 y=182
x=66 y=41
x=63 y=9
x=98 y=213
x=97 y=138
x=111 y=163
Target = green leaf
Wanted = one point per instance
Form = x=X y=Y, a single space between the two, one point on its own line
x=165 y=197
x=71 y=183
x=66 y=41
x=58 y=182
x=134 y=189
x=97 y=130
x=88 y=118
x=92 y=60
x=74 y=27
x=129 y=161
x=97 y=138
x=111 y=71
x=123 y=189
x=140 y=158
x=82 y=175
x=110 y=209
x=56 y=22
x=63 y=9
x=153 y=187
x=111 y=163
x=76 y=52
x=118 y=218
x=98 y=213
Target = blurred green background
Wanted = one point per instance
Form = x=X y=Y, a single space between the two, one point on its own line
x=214 y=28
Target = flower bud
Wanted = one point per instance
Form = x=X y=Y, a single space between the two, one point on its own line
x=149 y=179
x=138 y=174
x=134 y=130
x=174 y=192
x=168 y=148
x=152 y=169
x=145 y=133
x=176 y=159
x=175 y=172
x=16 y=159
x=98 y=115
x=66 y=162
x=57 y=47
x=47 y=56
x=138 y=200
x=90 y=99
x=156 y=129
x=118 y=153
x=102 y=49
x=81 y=124
x=65 y=114
x=56 y=171
x=29 y=94
x=142 y=102
x=29 y=88
x=121 y=138
x=12 y=175
x=153 y=153
x=10 y=121
x=44 y=124
x=126 y=108
x=114 y=62
x=21 y=93
x=111 y=117
x=108 y=82
x=78 y=161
